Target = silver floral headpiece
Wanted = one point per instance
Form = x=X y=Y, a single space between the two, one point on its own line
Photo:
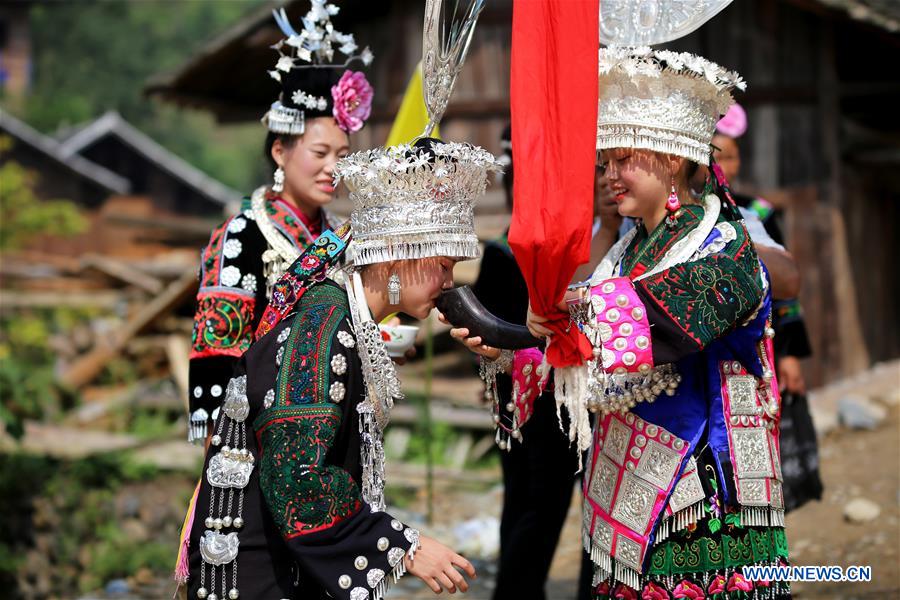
x=415 y=202
x=312 y=48
x=661 y=100
x=419 y=201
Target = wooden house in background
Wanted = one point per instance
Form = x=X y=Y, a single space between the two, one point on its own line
x=139 y=198
x=177 y=187
x=60 y=176
x=823 y=144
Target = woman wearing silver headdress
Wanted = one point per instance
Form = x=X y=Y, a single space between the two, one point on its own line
x=683 y=483
x=291 y=504
x=320 y=105
x=294 y=477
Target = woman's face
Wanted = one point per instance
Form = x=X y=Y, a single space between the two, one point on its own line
x=640 y=180
x=309 y=163
x=727 y=155
x=422 y=280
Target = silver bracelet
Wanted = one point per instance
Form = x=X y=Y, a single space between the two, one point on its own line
x=488 y=369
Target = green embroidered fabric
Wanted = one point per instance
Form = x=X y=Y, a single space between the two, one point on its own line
x=707 y=297
x=305 y=373
x=646 y=249
x=304 y=494
x=685 y=553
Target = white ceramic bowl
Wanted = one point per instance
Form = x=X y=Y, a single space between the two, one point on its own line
x=398 y=338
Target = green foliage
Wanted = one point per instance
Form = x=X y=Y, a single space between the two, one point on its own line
x=23 y=216
x=443 y=438
x=152 y=424
x=28 y=388
x=27 y=383
x=92 y=56
x=114 y=555
x=73 y=502
x=25 y=393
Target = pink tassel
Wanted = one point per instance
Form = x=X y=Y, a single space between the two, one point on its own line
x=181 y=565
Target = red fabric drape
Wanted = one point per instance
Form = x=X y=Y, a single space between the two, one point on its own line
x=553 y=96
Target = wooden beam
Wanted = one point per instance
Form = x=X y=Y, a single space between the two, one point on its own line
x=11 y=300
x=122 y=272
x=90 y=365
x=478 y=419
x=178 y=351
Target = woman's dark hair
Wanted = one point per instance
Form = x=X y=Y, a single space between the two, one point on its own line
x=691 y=169
x=427 y=144
x=287 y=141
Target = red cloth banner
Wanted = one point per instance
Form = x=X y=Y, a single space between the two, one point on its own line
x=553 y=98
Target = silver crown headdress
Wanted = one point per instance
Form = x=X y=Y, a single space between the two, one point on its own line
x=308 y=77
x=418 y=201
x=661 y=100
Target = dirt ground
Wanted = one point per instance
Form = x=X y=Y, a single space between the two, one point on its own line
x=855 y=464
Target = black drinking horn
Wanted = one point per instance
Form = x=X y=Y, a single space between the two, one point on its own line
x=462 y=309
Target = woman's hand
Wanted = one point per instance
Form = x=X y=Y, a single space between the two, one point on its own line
x=474 y=344
x=790 y=375
x=436 y=565
x=570 y=296
x=536 y=325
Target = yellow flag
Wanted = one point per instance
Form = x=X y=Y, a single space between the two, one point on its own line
x=412 y=117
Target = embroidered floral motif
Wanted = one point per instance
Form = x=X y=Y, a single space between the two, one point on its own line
x=623 y=592
x=705 y=298
x=288 y=290
x=689 y=590
x=646 y=249
x=739 y=583
x=222 y=325
x=248 y=282
x=304 y=493
x=237 y=225
x=210 y=258
x=310 y=262
x=231 y=275
x=653 y=591
x=305 y=375
x=716 y=586
x=232 y=248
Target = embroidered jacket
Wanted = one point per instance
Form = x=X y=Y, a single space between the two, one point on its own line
x=231 y=299
x=705 y=319
x=306 y=528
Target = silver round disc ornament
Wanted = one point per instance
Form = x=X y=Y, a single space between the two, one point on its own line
x=649 y=22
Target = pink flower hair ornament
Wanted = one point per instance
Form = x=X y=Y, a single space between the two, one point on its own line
x=352 y=97
x=734 y=123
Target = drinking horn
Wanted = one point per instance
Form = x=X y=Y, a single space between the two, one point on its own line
x=462 y=309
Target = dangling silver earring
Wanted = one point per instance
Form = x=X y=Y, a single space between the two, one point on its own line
x=278 y=181
x=393 y=288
